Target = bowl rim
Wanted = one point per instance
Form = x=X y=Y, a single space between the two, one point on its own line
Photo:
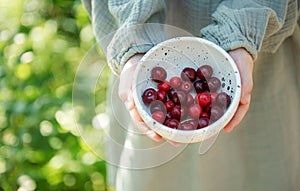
x=220 y=123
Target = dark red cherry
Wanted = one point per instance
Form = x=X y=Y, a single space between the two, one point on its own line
x=186 y=126
x=178 y=97
x=158 y=74
x=188 y=74
x=149 y=95
x=213 y=84
x=194 y=123
x=215 y=113
x=207 y=109
x=203 y=122
x=176 y=112
x=159 y=116
x=172 y=94
x=204 y=72
x=172 y=123
x=200 y=86
x=157 y=106
x=169 y=115
x=205 y=114
x=223 y=99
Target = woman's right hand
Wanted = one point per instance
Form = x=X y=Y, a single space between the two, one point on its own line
x=125 y=94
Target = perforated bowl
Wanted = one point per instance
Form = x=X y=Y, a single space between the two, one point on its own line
x=174 y=55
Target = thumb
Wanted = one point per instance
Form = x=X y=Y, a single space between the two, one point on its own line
x=126 y=77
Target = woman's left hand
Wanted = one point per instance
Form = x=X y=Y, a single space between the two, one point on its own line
x=244 y=62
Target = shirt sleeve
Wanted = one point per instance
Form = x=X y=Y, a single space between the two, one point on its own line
x=120 y=30
x=257 y=25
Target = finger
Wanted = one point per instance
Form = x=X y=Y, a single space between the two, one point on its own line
x=127 y=76
x=154 y=136
x=175 y=144
x=247 y=86
x=142 y=127
x=244 y=63
x=129 y=103
x=124 y=84
x=237 y=118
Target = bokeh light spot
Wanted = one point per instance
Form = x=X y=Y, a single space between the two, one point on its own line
x=2 y=166
x=69 y=180
x=19 y=38
x=26 y=183
x=46 y=128
x=88 y=158
x=55 y=143
x=23 y=71
x=27 y=57
x=101 y=121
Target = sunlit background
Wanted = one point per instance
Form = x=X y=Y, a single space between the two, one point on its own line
x=41 y=45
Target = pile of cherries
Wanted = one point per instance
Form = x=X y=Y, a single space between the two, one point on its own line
x=173 y=104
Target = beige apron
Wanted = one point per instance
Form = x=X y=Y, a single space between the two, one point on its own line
x=261 y=154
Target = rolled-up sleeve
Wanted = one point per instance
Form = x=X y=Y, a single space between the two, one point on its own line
x=259 y=25
x=119 y=27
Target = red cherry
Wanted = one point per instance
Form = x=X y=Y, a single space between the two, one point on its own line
x=195 y=111
x=194 y=123
x=204 y=72
x=223 y=99
x=186 y=86
x=175 y=82
x=176 y=112
x=188 y=74
x=149 y=95
x=186 y=126
x=178 y=97
x=189 y=100
x=158 y=74
x=183 y=112
x=203 y=122
x=172 y=94
x=164 y=86
x=213 y=97
x=203 y=99
x=181 y=97
x=161 y=95
x=215 y=113
x=157 y=106
x=159 y=116
x=169 y=105
x=213 y=84
x=172 y=123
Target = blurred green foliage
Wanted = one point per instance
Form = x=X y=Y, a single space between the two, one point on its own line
x=41 y=44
